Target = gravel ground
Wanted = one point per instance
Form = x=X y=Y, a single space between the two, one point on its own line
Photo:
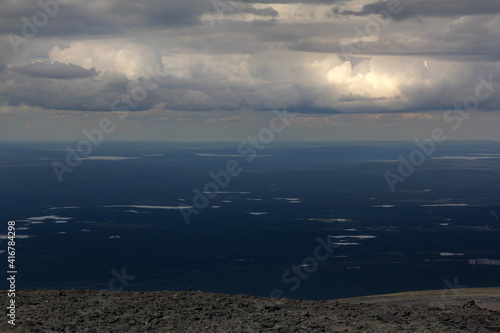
x=195 y=311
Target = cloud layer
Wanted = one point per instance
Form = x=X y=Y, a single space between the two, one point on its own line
x=316 y=57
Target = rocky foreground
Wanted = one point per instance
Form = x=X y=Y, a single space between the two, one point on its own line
x=469 y=310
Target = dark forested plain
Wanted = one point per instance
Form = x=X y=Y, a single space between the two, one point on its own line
x=115 y=223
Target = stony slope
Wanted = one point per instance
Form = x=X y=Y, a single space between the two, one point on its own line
x=471 y=310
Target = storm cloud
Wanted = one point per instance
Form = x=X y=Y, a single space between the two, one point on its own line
x=430 y=8
x=316 y=57
x=56 y=70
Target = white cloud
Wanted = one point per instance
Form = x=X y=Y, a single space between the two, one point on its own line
x=116 y=55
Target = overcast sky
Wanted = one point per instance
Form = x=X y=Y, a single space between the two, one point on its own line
x=202 y=70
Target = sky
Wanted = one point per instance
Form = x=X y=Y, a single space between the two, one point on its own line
x=214 y=70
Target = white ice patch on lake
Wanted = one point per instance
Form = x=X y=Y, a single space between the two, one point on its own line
x=111 y=158
x=225 y=192
x=446 y=205
x=17 y=236
x=469 y=158
x=69 y=207
x=148 y=207
x=48 y=217
x=355 y=237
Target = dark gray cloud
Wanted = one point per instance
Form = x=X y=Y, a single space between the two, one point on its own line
x=311 y=109
x=103 y=17
x=86 y=94
x=116 y=16
x=269 y=11
x=56 y=70
x=3 y=63
x=311 y=2
x=430 y=8
x=356 y=97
